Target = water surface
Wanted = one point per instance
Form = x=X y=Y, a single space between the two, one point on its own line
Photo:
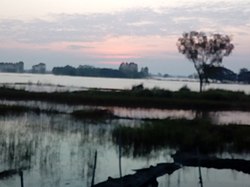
x=59 y=151
x=217 y=117
x=50 y=83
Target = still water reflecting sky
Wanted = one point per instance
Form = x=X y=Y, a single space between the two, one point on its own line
x=217 y=117
x=59 y=151
x=51 y=83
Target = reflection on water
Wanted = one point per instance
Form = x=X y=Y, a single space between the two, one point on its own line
x=142 y=113
x=59 y=151
x=227 y=117
x=211 y=178
x=64 y=108
x=55 y=148
x=219 y=117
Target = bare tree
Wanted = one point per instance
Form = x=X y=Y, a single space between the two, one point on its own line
x=204 y=50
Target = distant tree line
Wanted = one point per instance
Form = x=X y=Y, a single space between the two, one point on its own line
x=222 y=74
x=244 y=76
x=126 y=70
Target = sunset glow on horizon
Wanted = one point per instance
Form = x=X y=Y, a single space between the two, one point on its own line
x=98 y=33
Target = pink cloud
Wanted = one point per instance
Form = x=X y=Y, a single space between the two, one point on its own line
x=133 y=47
x=110 y=62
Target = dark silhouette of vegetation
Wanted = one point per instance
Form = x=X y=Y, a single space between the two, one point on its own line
x=194 y=160
x=220 y=74
x=184 y=89
x=204 y=51
x=93 y=114
x=244 y=76
x=144 y=177
x=90 y=71
x=17 y=110
x=67 y=70
x=183 y=135
x=155 y=98
x=5 y=109
x=138 y=87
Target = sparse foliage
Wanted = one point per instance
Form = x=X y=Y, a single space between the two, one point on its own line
x=204 y=50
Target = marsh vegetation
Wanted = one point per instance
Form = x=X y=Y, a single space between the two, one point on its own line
x=48 y=132
x=183 y=135
x=155 y=98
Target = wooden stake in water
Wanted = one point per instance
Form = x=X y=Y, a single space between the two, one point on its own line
x=199 y=168
x=21 y=177
x=200 y=177
x=179 y=179
x=120 y=159
x=93 y=176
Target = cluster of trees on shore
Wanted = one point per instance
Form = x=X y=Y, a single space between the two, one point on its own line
x=126 y=70
x=223 y=74
x=244 y=76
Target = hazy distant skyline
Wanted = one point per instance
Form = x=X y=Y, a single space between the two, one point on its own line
x=106 y=33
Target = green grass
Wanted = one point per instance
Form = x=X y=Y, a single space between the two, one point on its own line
x=183 y=135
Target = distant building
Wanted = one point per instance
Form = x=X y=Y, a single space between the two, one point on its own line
x=39 y=68
x=130 y=70
x=144 y=71
x=17 y=67
x=128 y=67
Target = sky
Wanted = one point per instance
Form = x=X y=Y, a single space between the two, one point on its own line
x=104 y=33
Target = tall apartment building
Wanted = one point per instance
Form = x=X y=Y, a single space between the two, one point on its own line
x=17 y=67
x=39 y=68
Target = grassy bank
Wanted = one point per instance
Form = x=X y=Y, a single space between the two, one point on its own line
x=183 y=135
x=156 y=98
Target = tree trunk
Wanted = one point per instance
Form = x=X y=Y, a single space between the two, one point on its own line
x=199 y=74
x=201 y=81
x=201 y=84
